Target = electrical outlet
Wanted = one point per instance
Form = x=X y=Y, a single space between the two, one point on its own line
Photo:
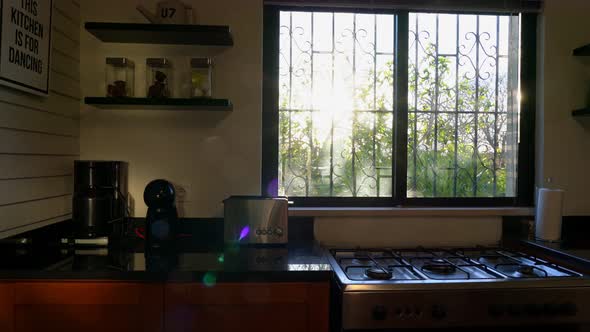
x=182 y=192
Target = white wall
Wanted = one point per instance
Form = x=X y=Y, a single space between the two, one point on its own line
x=213 y=155
x=563 y=143
x=219 y=155
x=39 y=137
x=408 y=232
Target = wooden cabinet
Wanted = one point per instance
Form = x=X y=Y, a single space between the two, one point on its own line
x=6 y=307
x=74 y=306
x=86 y=306
x=268 y=307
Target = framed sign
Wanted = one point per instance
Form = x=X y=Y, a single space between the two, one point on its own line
x=25 y=36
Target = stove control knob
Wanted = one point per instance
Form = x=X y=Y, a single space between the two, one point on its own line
x=379 y=312
x=439 y=312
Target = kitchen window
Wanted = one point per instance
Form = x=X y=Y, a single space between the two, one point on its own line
x=379 y=108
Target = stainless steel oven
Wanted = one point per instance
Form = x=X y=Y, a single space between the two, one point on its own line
x=483 y=289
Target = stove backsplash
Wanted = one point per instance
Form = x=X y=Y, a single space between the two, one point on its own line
x=408 y=232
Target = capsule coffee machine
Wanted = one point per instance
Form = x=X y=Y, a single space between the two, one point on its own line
x=161 y=216
x=99 y=200
x=160 y=226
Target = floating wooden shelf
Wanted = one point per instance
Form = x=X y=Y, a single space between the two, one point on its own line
x=582 y=51
x=581 y=112
x=172 y=34
x=184 y=104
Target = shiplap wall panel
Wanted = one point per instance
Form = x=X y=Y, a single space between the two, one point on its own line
x=65 y=45
x=66 y=25
x=66 y=65
x=63 y=105
x=68 y=8
x=24 y=166
x=39 y=136
x=18 y=215
x=25 y=190
x=32 y=226
x=19 y=117
x=64 y=85
x=53 y=104
x=24 y=142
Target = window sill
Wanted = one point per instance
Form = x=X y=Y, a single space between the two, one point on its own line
x=412 y=212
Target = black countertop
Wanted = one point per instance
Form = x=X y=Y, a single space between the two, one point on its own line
x=200 y=256
x=293 y=263
x=203 y=257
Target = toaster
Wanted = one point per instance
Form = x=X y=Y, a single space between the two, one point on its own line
x=256 y=220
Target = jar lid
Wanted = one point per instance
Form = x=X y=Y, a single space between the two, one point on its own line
x=158 y=62
x=120 y=62
x=201 y=62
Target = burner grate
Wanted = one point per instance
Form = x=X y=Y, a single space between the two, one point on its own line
x=520 y=265
x=366 y=265
x=444 y=264
x=452 y=267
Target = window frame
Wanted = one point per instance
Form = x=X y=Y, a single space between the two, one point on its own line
x=270 y=117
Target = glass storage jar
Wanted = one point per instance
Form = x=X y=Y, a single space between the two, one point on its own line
x=120 y=77
x=158 y=78
x=201 y=77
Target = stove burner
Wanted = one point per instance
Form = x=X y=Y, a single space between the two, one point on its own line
x=526 y=270
x=378 y=273
x=359 y=254
x=440 y=266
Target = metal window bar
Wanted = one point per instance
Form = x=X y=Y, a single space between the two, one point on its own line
x=288 y=168
x=420 y=166
x=471 y=53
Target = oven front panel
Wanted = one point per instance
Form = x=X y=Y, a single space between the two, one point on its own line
x=519 y=328
x=465 y=308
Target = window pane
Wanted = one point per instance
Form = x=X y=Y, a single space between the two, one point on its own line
x=336 y=104
x=463 y=112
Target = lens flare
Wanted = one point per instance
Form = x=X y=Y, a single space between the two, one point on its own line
x=244 y=233
x=273 y=188
x=209 y=279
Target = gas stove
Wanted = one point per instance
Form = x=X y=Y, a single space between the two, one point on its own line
x=444 y=288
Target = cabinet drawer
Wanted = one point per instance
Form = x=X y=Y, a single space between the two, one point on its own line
x=259 y=307
x=87 y=306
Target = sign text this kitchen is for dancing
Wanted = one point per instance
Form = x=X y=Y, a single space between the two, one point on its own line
x=25 y=51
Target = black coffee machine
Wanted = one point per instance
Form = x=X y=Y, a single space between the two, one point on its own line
x=161 y=217
x=100 y=195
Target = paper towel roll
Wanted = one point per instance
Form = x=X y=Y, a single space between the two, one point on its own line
x=549 y=214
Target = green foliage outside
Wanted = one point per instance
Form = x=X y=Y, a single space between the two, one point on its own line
x=443 y=158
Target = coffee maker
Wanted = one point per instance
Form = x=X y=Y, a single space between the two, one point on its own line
x=100 y=197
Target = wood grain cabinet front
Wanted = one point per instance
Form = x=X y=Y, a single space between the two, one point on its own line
x=260 y=307
x=6 y=307
x=86 y=306
x=75 y=306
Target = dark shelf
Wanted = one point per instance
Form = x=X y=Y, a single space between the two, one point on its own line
x=188 y=104
x=173 y=34
x=581 y=112
x=582 y=51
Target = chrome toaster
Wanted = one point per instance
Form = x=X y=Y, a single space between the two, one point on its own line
x=256 y=220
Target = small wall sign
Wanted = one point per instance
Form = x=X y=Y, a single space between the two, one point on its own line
x=26 y=45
